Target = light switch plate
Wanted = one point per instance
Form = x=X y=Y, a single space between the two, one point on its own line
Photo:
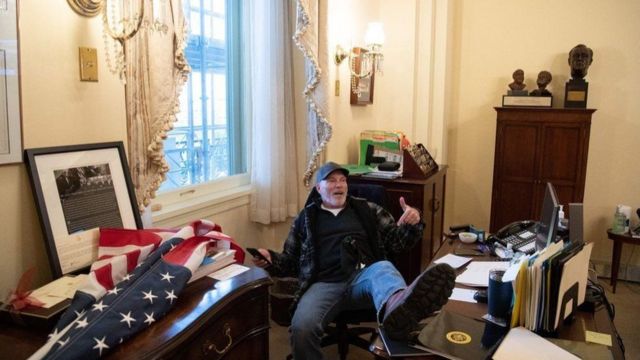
x=88 y=64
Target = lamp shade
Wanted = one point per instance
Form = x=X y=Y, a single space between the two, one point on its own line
x=375 y=34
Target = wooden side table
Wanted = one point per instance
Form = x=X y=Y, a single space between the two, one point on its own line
x=618 y=240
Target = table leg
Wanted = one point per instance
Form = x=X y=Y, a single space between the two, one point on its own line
x=615 y=263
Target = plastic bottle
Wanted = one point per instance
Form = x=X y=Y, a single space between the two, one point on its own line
x=618 y=221
x=560 y=217
x=508 y=253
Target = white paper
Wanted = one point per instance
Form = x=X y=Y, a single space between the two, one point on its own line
x=454 y=261
x=58 y=290
x=228 y=272
x=523 y=344
x=514 y=269
x=477 y=272
x=463 y=295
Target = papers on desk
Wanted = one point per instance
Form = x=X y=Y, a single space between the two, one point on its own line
x=463 y=295
x=58 y=290
x=377 y=174
x=477 y=272
x=454 y=261
x=229 y=272
x=521 y=343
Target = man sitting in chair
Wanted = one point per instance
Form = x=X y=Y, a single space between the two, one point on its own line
x=338 y=248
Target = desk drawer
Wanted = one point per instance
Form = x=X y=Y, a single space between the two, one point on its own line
x=245 y=319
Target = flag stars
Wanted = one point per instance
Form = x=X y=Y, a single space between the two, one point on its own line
x=63 y=342
x=127 y=318
x=99 y=306
x=79 y=314
x=100 y=344
x=127 y=277
x=149 y=296
x=53 y=334
x=149 y=318
x=113 y=291
x=81 y=323
x=170 y=296
x=167 y=277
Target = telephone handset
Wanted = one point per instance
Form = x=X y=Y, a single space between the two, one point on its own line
x=512 y=229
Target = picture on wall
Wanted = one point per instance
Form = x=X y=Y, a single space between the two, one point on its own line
x=10 y=130
x=79 y=189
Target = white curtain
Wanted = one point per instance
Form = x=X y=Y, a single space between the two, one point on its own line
x=156 y=70
x=310 y=37
x=274 y=175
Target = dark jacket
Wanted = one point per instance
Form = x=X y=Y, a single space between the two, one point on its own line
x=384 y=237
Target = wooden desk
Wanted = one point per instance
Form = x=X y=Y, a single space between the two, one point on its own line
x=598 y=321
x=196 y=327
x=618 y=240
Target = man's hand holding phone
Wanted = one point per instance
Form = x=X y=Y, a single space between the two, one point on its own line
x=261 y=257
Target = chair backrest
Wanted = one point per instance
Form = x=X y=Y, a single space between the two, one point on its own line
x=371 y=192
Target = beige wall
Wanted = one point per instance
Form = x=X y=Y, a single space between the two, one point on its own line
x=493 y=38
x=57 y=109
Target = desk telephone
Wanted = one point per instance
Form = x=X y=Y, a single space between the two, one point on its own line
x=520 y=234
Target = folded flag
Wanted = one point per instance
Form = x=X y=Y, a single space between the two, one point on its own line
x=136 y=280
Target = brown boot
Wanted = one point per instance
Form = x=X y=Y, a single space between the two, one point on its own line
x=426 y=294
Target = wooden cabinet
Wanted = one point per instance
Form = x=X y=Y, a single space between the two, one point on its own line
x=426 y=195
x=211 y=320
x=535 y=146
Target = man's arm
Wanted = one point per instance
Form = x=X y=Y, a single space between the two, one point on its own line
x=287 y=262
x=403 y=234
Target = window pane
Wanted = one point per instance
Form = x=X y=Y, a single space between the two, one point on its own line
x=205 y=144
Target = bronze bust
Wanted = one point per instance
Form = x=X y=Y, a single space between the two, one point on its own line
x=518 y=80
x=580 y=58
x=544 y=78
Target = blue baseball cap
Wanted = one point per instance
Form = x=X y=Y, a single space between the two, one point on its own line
x=326 y=169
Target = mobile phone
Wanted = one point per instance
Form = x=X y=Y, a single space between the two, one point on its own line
x=256 y=254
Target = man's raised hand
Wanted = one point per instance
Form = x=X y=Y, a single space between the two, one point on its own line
x=410 y=215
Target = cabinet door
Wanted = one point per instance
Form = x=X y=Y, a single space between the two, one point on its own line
x=563 y=160
x=515 y=168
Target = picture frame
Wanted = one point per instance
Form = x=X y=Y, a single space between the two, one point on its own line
x=365 y=84
x=10 y=113
x=78 y=189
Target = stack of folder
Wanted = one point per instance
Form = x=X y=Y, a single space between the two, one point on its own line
x=549 y=285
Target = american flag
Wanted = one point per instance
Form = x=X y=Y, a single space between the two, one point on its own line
x=136 y=280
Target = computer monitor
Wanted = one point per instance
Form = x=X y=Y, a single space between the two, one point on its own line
x=546 y=231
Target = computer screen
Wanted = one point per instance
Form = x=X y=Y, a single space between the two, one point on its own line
x=546 y=231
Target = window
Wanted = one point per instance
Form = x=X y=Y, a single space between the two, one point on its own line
x=207 y=141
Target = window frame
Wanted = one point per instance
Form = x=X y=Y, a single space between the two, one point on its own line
x=196 y=196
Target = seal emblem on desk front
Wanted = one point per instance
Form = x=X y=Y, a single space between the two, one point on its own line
x=458 y=337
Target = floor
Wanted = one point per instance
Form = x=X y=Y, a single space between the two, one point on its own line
x=627 y=319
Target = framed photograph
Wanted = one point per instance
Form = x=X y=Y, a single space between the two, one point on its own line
x=10 y=131
x=365 y=84
x=78 y=189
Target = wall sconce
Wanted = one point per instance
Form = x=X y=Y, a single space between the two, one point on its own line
x=363 y=62
x=121 y=21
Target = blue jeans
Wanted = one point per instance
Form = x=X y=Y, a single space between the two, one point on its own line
x=322 y=302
